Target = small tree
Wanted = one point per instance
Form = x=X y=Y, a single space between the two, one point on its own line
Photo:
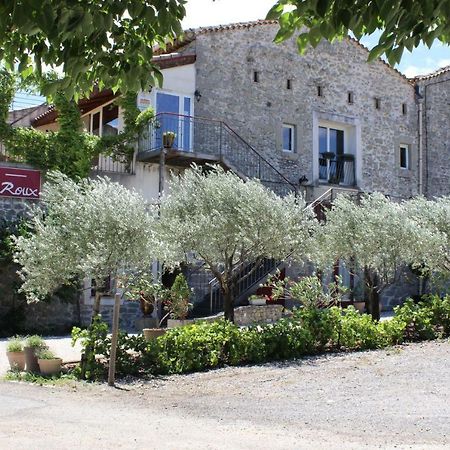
x=379 y=236
x=435 y=215
x=228 y=222
x=91 y=229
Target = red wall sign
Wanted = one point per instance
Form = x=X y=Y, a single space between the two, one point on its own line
x=19 y=183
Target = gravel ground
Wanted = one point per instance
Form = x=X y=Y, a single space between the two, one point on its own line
x=396 y=398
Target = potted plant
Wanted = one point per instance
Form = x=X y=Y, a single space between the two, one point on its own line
x=168 y=139
x=177 y=304
x=256 y=300
x=49 y=363
x=33 y=345
x=15 y=353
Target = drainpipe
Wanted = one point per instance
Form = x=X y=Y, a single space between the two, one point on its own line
x=420 y=148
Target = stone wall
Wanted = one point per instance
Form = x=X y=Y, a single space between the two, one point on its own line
x=226 y=61
x=13 y=208
x=435 y=90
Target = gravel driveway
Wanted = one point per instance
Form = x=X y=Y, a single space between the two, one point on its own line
x=397 y=398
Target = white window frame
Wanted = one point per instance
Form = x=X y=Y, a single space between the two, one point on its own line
x=293 y=140
x=407 y=149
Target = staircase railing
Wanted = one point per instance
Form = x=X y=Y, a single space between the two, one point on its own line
x=214 y=138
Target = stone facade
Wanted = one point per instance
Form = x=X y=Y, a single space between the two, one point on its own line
x=435 y=92
x=225 y=67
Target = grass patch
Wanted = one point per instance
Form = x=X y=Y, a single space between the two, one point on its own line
x=27 y=377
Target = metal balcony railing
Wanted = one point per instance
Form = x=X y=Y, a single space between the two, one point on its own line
x=215 y=141
x=340 y=170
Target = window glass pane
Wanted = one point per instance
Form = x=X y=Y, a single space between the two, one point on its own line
x=110 y=120
x=288 y=138
x=336 y=141
x=404 y=157
x=323 y=147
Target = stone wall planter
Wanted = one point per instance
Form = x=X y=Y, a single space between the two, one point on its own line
x=257 y=301
x=50 y=366
x=16 y=360
x=153 y=333
x=173 y=323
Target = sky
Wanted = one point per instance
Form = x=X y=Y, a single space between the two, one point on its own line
x=208 y=12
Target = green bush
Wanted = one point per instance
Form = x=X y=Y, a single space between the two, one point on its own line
x=204 y=345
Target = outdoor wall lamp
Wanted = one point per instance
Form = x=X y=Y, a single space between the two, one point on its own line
x=197 y=95
x=302 y=179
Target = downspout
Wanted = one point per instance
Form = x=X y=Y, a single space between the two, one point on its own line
x=420 y=148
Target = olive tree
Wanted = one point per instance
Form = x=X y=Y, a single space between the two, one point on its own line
x=379 y=236
x=90 y=229
x=228 y=222
x=435 y=215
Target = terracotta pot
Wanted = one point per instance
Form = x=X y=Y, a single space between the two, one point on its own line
x=360 y=306
x=31 y=361
x=50 y=366
x=16 y=360
x=153 y=333
x=173 y=323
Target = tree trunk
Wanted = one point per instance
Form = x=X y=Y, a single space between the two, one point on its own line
x=228 y=304
x=96 y=306
x=373 y=294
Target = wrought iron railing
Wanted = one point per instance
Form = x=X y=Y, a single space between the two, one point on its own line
x=216 y=140
x=340 y=170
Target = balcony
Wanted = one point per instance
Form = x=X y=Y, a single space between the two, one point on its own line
x=337 y=170
x=199 y=140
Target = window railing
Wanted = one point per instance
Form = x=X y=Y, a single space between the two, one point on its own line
x=337 y=170
x=215 y=139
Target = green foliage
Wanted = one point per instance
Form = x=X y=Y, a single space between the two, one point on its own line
x=404 y=24
x=106 y=42
x=7 y=90
x=35 y=341
x=96 y=344
x=28 y=377
x=177 y=301
x=45 y=353
x=15 y=344
x=203 y=345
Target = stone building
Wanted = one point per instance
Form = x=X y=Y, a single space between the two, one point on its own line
x=434 y=130
x=326 y=121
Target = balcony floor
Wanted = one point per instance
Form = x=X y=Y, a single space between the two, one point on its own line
x=178 y=158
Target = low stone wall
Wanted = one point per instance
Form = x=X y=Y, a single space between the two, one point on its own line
x=250 y=315
x=129 y=313
x=12 y=209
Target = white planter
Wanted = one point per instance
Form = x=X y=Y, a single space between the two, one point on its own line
x=257 y=301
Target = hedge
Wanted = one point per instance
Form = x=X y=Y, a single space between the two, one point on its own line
x=204 y=346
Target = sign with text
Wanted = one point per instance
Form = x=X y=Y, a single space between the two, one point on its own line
x=20 y=183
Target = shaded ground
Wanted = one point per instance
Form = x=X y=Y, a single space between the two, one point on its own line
x=383 y=399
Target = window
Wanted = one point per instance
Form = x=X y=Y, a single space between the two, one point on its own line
x=377 y=103
x=404 y=109
x=288 y=138
x=350 y=98
x=319 y=91
x=256 y=76
x=288 y=84
x=404 y=157
x=331 y=140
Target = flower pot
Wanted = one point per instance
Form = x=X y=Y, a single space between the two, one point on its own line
x=360 y=306
x=256 y=301
x=16 y=360
x=50 y=366
x=31 y=361
x=153 y=333
x=173 y=323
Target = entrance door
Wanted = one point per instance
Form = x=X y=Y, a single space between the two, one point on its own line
x=179 y=123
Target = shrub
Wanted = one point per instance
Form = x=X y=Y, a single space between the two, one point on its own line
x=15 y=344
x=35 y=341
x=45 y=353
x=204 y=345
